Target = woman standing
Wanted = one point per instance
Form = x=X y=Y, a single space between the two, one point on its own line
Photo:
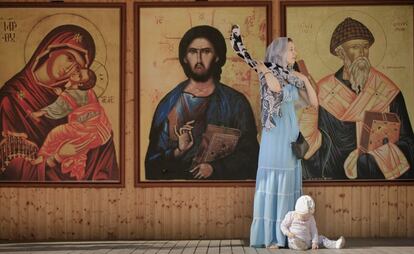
x=279 y=175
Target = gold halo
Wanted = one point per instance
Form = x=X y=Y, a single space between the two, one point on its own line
x=324 y=34
x=102 y=78
x=46 y=24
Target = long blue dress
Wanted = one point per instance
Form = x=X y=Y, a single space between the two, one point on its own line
x=279 y=175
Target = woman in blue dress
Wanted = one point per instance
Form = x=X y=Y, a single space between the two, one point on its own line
x=279 y=175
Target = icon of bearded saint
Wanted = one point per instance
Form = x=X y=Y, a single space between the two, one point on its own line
x=65 y=50
x=349 y=100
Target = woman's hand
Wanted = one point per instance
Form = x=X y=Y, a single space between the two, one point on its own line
x=311 y=96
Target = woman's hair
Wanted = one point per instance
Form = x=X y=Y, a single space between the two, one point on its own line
x=276 y=51
x=90 y=83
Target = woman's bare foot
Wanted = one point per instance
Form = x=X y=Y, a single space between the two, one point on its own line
x=273 y=246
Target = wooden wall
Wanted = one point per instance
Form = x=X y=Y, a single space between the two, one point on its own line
x=191 y=213
x=187 y=213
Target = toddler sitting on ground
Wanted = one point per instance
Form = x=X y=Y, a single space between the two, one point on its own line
x=300 y=228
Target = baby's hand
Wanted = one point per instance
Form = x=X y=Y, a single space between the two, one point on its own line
x=57 y=90
x=315 y=246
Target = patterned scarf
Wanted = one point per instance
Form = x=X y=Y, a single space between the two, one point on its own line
x=270 y=101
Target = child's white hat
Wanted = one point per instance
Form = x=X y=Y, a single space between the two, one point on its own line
x=305 y=205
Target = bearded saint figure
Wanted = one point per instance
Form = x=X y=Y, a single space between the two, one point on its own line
x=335 y=130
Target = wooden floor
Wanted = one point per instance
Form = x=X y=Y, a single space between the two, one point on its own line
x=362 y=246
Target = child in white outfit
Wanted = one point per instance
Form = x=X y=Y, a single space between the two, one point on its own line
x=300 y=228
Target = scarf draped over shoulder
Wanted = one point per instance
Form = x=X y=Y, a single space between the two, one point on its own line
x=270 y=101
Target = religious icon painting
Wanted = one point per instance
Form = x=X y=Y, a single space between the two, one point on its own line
x=359 y=56
x=61 y=99
x=190 y=133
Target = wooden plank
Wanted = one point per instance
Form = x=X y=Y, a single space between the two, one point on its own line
x=14 y=214
x=338 y=212
x=356 y=214
x=77 y=214
x=410 y=211
x=167 y=212
x=214 y=247
x=166 y=248
x=225 y=247
x=131 y=212
x=249 y=250
x=194 y=213
x=23 y=222
x=86 y=213
x=128 y=248
x=202 y=247
x=140 y=247
x=248 y=211
x=212 y=220
x=107 y=222
x=158 y=214
x=365 y=211
x=375 y=211
x=179 y=247
x=330 y=211
x=191 y=247
x=50 y=213
x=68 y=214
x=155 y=246
x=384 y=226
x=122 y=217
x=114 y=216
x=176 y=210
x=5 y=220
x=139 y=216
x=220 y=215
x=32 y=214
x=320 y=212
x=149 y=227
x=60 y=213
x=96 y=213
x=41 y=218
x=263 y=251
x=346 y=212
x=204 y=213
x=237 y=246
x=229 y=217
x=393 y=211
x=402 y=211
x=185 y=216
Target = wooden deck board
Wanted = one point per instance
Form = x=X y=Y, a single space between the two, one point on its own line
x=354 y=246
